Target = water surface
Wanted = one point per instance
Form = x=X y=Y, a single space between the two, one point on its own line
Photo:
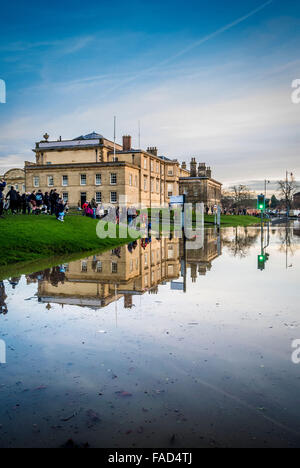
x=154 y=346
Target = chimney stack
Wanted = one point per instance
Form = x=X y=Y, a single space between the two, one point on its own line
x=152 y=150
x=202 y=170
x=193 y=168
x=126 y=143
x=208 y=172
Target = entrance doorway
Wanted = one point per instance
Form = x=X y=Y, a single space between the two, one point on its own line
x=82 y=198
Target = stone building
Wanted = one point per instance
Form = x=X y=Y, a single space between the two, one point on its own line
x=99 y=280
x=128 y=271
x=91 y=166
x=296 y=200
x=199 y=186
x=14 y=178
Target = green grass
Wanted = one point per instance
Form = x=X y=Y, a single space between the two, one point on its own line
x=30 y=238
x=233 y=221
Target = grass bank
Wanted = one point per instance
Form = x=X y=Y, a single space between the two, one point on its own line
x=31 y=238
x=233 y=221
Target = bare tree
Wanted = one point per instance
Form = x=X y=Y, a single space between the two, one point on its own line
x=287 y=189
x=241 y=194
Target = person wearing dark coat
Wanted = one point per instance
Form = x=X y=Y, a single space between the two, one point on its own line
x=2 y=187
x=13 y=199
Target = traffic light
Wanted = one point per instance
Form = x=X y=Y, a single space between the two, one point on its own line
x=261 y=262
x=261 y=203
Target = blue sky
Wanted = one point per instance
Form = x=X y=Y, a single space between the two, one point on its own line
x=206 y=79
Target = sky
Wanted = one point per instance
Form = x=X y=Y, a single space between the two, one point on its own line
x=211 y=80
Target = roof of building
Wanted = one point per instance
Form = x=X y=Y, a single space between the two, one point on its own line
x=89 y=136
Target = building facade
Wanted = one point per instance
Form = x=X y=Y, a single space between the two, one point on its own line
x=93 y=167
x=14 y=178
x=199 y=186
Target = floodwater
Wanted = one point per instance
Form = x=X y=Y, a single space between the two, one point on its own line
x=152 y=345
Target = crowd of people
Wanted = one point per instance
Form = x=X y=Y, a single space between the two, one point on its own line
x=34 y=202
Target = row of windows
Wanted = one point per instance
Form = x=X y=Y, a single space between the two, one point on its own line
x=113 y=198
x=84 y=267
x=83 y=180
x=170 y=168
x=17 y=187
x=158 y=186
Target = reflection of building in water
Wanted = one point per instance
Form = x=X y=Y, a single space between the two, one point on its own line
x=200 y=260
x=126 y=271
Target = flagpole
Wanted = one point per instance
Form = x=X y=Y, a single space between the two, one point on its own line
x=115 y=121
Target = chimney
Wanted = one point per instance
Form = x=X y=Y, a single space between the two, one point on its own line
x=208 y=172
x=152 y=150
x=183 y=165
x=126 y=143
x=202 y=170
x=193 y=168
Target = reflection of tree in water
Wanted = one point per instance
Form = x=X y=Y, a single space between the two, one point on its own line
x=286 y=241
x=53 y=275
x=241 y=242
x=3 y=296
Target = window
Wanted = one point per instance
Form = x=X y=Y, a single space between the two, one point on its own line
x=145 y=183
x=152 y=185
x=130 y=180
x=170 y=190
x=152 y=166
x=99 y=267
x=157 y=185
x=98 y=180
x=65 y=197
x=170 y=252
x=23 y=188
x=84 y=266
x=65 y=181
x=170 y=171
x=17 y=187
x=98 y=197
x=50 y=181
x=114 y=267
x=113 y=179
x=135 y=181
x=146 y=260
x=113 y=197
x=83 y=179
x=131 y=266
x=145 y=163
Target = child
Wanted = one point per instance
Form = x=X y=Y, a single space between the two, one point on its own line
x=60 y=210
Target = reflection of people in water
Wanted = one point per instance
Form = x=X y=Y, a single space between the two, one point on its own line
x=14 y=282
x=54 y=275
x=57 y=275
x=3 y=296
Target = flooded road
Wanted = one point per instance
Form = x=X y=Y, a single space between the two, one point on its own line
x=150 y=345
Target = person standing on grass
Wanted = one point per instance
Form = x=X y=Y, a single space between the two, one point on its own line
x=47 y=202
x=23 y=203
x=53 y=200
x=60 y=210
x=39 y=201
x=2 y=187
x=13 y=199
